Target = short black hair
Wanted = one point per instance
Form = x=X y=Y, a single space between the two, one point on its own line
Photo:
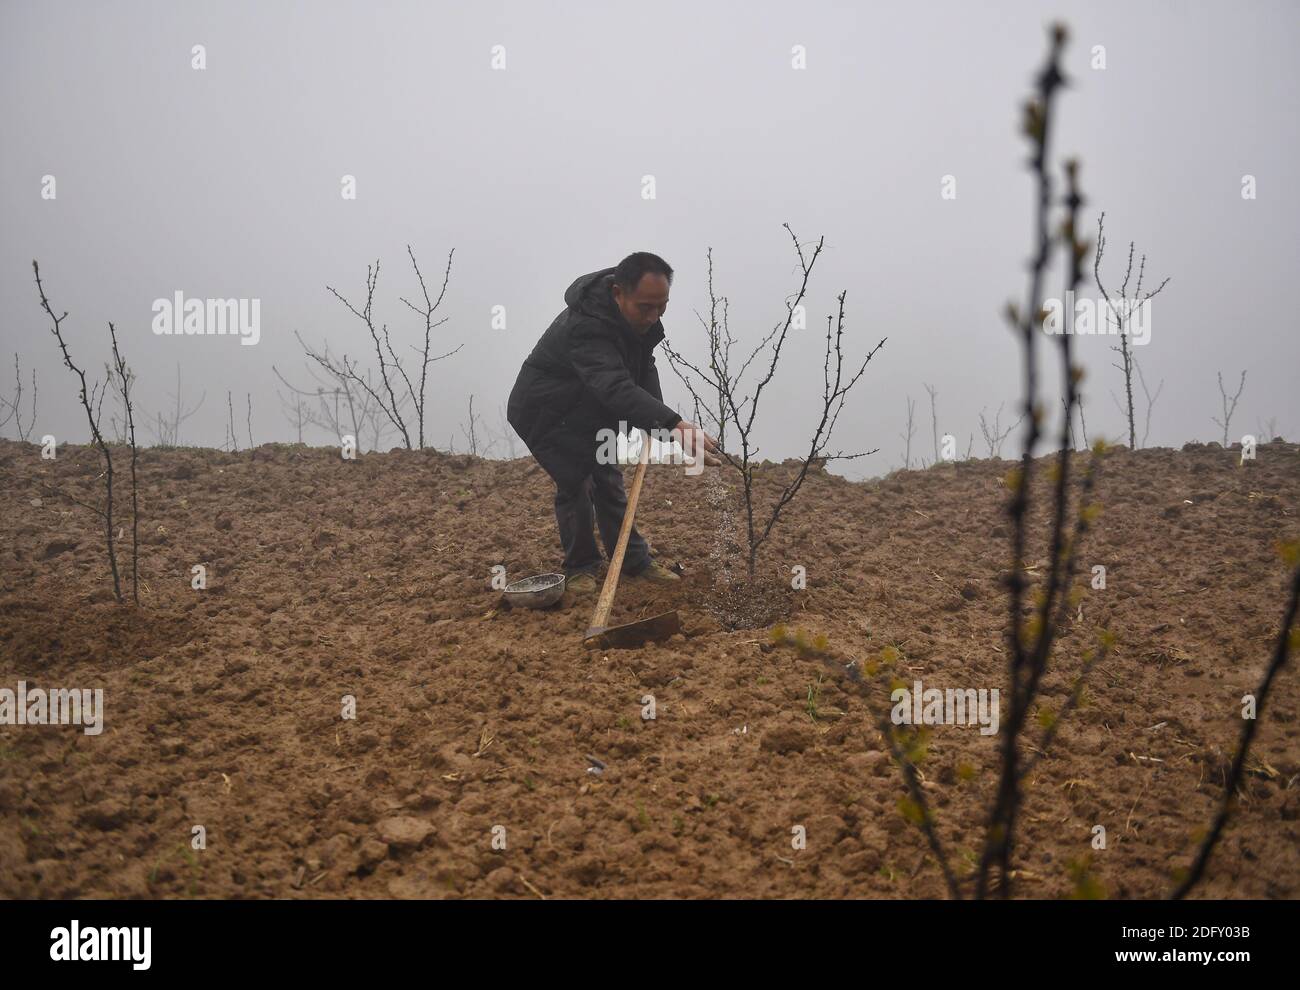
x=630 y=269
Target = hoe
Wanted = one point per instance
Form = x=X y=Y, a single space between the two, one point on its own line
x=641 y=631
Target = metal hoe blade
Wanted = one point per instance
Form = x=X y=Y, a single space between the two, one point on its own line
x=632 y=634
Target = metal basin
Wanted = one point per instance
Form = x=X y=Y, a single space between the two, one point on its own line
x=535 y=592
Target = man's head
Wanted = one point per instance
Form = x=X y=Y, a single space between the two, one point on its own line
x=640 y=289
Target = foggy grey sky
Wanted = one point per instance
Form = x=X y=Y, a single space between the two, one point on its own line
x=226 y=183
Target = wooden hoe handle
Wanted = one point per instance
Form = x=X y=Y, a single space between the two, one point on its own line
x=600 y=618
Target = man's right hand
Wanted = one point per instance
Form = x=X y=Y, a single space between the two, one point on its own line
x=695 y=441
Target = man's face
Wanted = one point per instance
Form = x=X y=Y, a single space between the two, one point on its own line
x=643 y=308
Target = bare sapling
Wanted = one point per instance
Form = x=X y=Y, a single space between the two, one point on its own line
x=1229 y=406
x=1151 y=400
x=507 y=433
x=426 y=312
x=934 y=420
x=337 y=405
x=15 y=406
x=906 y=436
x=167 y=429
x=293 y=412
x=471 y=430
x=1123 y=310
x=994 y=435
x=395 y=388
x=125 y=379
x=92 y=402
x=232 y=441
x=1267 y=429
x=730 y=402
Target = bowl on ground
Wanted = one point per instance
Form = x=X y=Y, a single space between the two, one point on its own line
x=538 y=591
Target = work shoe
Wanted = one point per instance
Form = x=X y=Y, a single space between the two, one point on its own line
x=658 y=573
x=581 y=583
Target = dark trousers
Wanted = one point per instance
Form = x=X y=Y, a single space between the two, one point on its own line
x=586 y=493
x=601 y=495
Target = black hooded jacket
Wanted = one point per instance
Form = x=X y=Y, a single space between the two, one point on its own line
x=590 y=371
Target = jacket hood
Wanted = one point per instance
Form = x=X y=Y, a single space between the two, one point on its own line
x=590 y=294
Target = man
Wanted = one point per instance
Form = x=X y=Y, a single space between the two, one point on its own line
x=593 y=369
